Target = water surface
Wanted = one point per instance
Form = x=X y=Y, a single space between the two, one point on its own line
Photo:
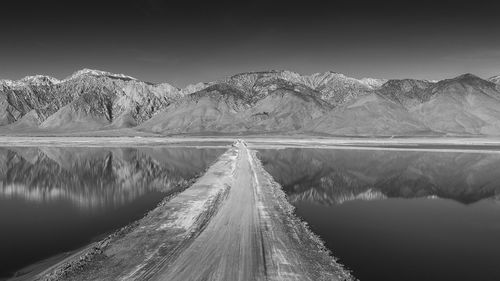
x=398 y=215
x=58 y=199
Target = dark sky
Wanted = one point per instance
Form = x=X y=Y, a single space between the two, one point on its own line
x=183 y=42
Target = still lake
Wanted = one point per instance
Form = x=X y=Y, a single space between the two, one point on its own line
x=387 y=215
x=398 y=215
x=58 y=199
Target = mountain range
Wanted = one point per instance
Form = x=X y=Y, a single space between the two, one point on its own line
x=268 y=102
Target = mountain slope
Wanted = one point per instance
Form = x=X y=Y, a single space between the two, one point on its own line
x=276 y=101
x=496 y=80
x=284 y=110
x=79 y=99
x=90 y=111
x=407 y=92
x=332 y=87
x=95 y=100
x=254 y=103
x=28 y=121
x=214 y=109
x=464 y=105
x=20 y=97
x=368 y=115
x=337 y=88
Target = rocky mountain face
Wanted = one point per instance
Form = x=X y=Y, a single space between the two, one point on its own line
x=495 y=79
x=273 y=101
x=371 y=114
x=281 y=102
x=257 y=102
x=213 y=109
x=463 y=105
x=20 y=97
x=88 y=99
x=407 y=92
x=335 y=88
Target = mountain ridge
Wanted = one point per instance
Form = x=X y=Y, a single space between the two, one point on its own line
x=275 y=101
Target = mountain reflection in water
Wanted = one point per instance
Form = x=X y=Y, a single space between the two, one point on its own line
x=57 y=199
x=398 y=215
x=333 y=176
x=97 y=177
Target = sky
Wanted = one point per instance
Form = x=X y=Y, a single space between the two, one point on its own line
x=184 y=42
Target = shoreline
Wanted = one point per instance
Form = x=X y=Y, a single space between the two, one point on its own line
x=78 y=257
x=255 y=140
x=168 y=239
x=320 y=254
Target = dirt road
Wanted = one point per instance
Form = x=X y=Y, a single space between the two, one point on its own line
x=233 y=224
x=230 y=247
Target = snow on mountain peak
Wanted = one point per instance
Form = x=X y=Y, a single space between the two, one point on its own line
x=331 y=77
x=93 y=72
x=35 y=80
x=10 y=83
x=40 y=80
x=373 y=82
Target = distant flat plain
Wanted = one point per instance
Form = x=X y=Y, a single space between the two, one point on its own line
x=476 y=144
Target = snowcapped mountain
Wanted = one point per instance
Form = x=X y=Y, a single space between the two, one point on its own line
x=40 y=80
x=36 y=80
x=276 y=101
x=373 y=82
x=336 y=88
x=93 y=72
x=87 y=100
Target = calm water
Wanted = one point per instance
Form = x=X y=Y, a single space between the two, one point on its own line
x=54 y=200
x=394 y=215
